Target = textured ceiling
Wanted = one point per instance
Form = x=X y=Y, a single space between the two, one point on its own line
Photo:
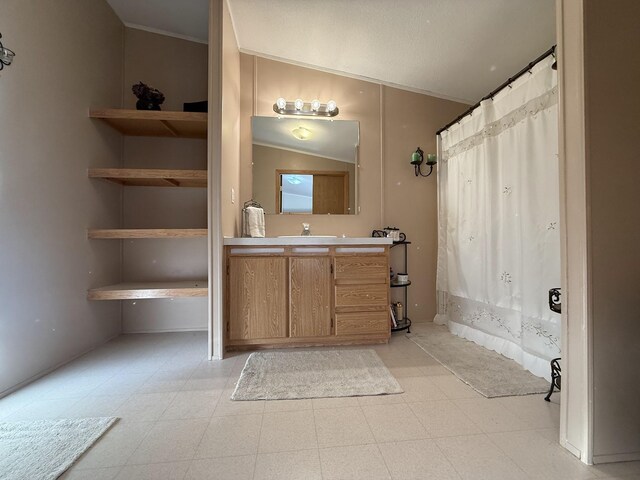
x=458 y=49
x=183 y=18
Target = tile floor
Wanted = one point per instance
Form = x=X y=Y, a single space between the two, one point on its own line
x=177 y=422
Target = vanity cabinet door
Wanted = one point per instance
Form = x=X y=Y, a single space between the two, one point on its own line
x=257 y=297
x=309 y=296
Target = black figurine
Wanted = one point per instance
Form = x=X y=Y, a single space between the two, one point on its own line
x=149 y=98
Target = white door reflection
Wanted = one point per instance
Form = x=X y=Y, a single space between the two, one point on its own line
x=296 y=193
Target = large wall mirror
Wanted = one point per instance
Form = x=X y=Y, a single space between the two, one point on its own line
x=303 y=165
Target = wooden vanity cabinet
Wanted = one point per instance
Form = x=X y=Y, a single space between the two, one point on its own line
x=306 y=296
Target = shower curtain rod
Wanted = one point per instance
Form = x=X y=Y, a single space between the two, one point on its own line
x=509 y=81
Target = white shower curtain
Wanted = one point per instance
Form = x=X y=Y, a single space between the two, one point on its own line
x=498 y=213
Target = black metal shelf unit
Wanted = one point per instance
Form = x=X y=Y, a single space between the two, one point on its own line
x=403 y=323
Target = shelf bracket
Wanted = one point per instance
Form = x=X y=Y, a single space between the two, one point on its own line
x=170 y=128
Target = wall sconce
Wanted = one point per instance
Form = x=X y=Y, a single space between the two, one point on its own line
x=6 y=55
x=308 y=109
x=417 y=158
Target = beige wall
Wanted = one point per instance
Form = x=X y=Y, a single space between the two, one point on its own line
x=272 y=159
x=612 y=78
x=178 y=68
x=357 y=100
x=68 y=58
x=173 y=66
x=247 y=110
x=411 y=120
x=230 y=144
x=392 y=124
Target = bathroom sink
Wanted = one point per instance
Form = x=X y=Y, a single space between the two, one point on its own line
x=307 y=236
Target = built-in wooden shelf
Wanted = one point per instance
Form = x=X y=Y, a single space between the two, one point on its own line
x=124 y=233
x=145 y=123
x=134 y=291
x=147 y=177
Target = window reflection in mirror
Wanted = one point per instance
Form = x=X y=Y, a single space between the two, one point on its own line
x=314 y=173
x=296 y=193
x=317 y=192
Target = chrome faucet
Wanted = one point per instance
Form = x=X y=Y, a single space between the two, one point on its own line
x=306 y=230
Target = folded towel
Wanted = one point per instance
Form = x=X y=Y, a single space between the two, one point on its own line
x=255 y=221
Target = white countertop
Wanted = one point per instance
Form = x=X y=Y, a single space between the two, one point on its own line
x=308 y=241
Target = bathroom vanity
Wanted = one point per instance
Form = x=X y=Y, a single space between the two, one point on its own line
x=294 y=291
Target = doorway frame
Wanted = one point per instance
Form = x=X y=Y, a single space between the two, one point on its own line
x=576 y=396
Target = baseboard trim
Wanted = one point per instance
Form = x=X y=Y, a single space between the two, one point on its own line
x=29 y=380
x=576 y=452
x=617 y=457
x=167 y=330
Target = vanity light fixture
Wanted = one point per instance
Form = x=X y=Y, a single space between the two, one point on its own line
x=309 y=109
x=6 y=55
x=417 y=158
x=301 y=133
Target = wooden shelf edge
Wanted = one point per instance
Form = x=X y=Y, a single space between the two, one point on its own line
x=145 y=123
x=150 y=290
x=159 y=115
x=140 y=233
x=147 y=177
x=147 y=173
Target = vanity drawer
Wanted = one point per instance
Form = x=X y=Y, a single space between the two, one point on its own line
x=361 y=295
x=362 y=323
x=374 y=269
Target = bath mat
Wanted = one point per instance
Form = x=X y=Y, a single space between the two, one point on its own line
x=44 y=449
x=314 y=374
x=484 y=370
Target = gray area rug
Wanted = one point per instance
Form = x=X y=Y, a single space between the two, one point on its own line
x=314 y=374
x=44 y=449
x=486 y=371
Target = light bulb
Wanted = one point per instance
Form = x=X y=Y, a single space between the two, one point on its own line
x=298 y=104
x=331 y=106
x=315 y=105
x=281 y=103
